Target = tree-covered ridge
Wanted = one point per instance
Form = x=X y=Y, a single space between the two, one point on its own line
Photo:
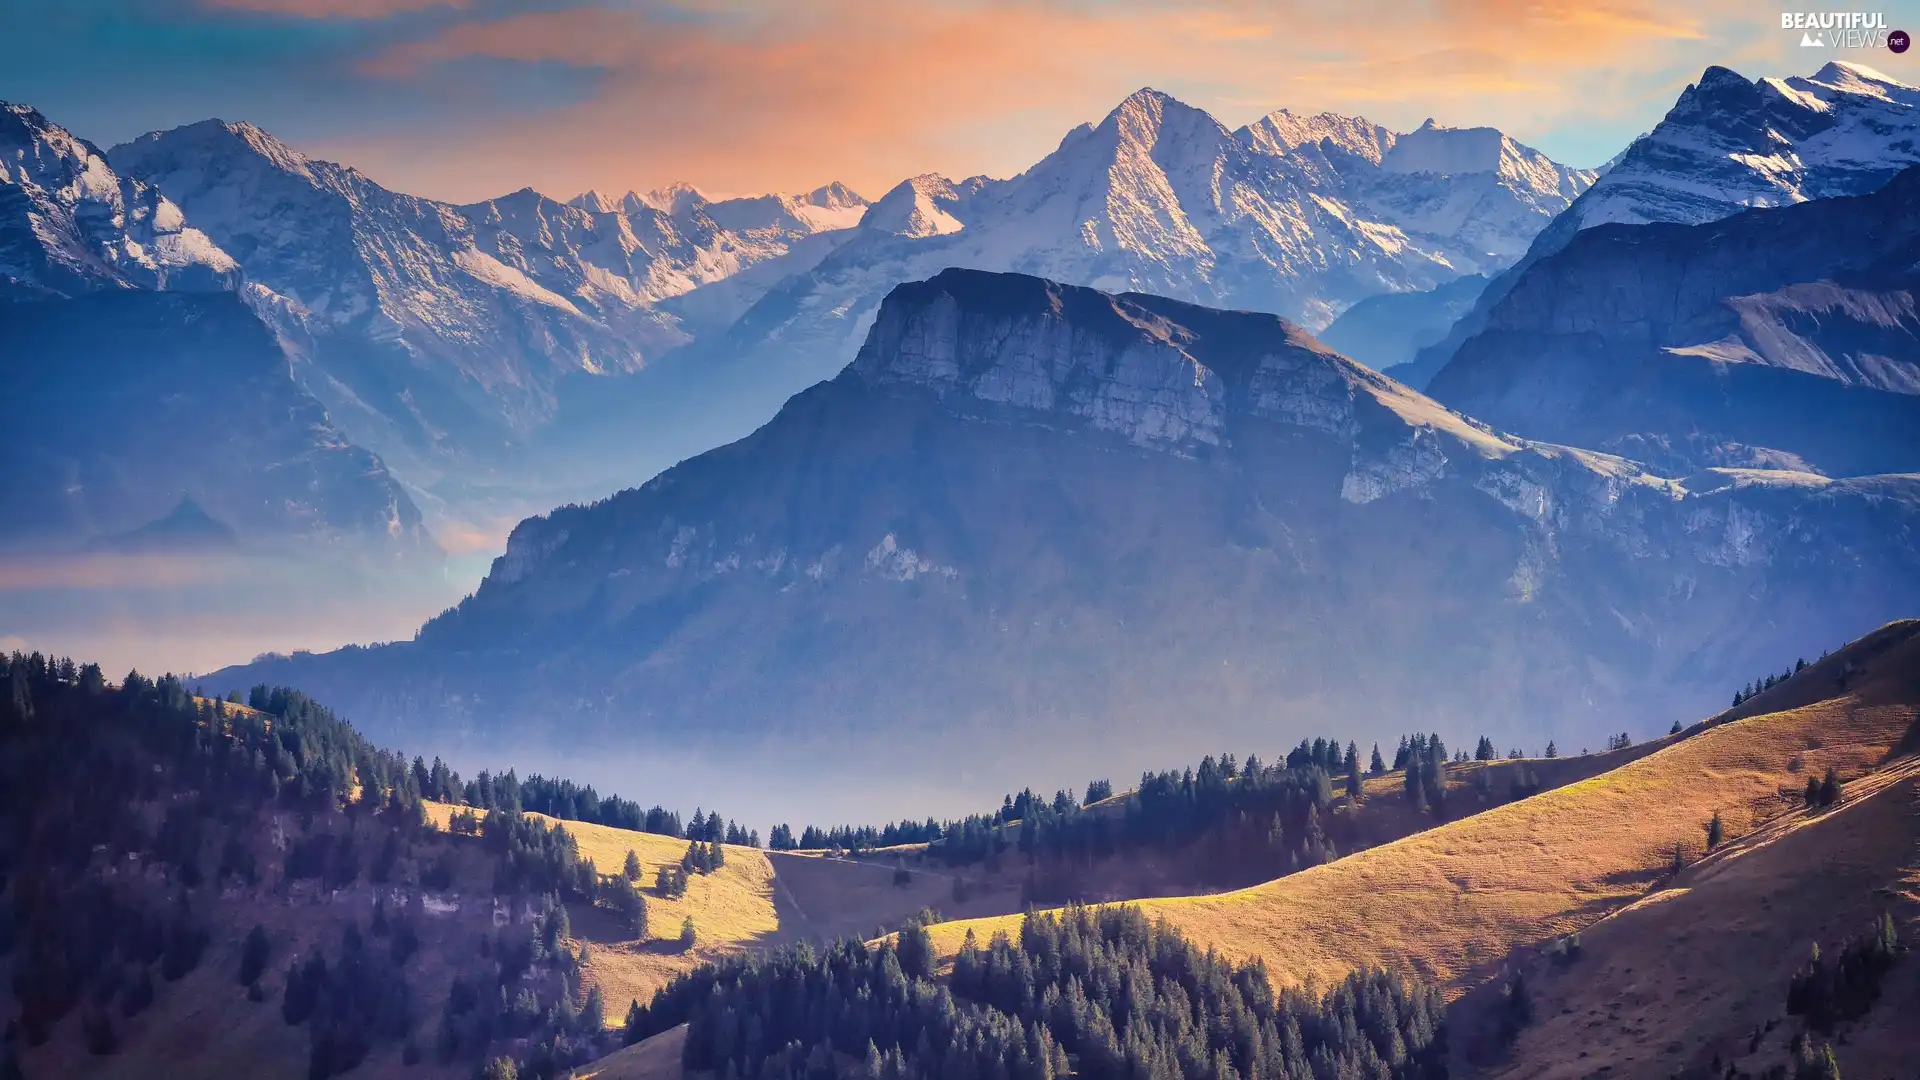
x=96 y=888
x=568 y=801
x=134 y=817
x=1238 y=821
x=1098 y=993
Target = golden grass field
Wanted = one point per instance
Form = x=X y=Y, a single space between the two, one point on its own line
x=759 y=899
x=1454 y=901
x=1686 y=975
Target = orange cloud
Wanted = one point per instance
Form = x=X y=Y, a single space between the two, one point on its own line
x=333 y=9
x=743 y=97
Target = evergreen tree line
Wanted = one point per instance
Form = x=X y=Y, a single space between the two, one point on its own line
x=147 y=777
x=83 y=764
x=1827 y=993
x=1096 y=993
x=1252 y=820
x=1768 y=682
x=557 y=799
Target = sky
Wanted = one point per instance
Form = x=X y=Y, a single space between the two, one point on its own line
x=468 y=99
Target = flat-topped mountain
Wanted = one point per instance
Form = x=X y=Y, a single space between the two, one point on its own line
x=1041 y=512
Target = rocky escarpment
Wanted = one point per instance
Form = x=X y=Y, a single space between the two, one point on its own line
x=1036 y=512
x=1787 y=336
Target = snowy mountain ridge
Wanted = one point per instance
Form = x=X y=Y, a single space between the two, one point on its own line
x=439 y=333
x=1731 y=144
x=77 y=225
x=1294 y=215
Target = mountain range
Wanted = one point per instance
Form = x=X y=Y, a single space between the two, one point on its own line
x=1296 y=215
x=1779 y=338
x=1133 y=504
x=133 y=373
x=1037 y=512
x=451 y=339
x=437 y=332
x=1727 y=145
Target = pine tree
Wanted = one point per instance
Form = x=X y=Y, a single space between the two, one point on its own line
x=1552 y=750
x=632 y=868
x=253 y=954
x=1377 y=766
x=687 y=935
x=593 y=1017
x=1716 y=832
x=1830 y=788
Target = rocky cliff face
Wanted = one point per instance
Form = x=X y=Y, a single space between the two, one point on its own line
x=1100 y=525
x=1728 y=145
x=1783 y=336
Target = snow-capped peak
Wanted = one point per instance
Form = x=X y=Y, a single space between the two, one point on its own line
x=1729 y=143
x=833 y=196
x=82 y=225
x=1461 y=151
x=1148 y=117
x=678 y=199
x=595 y=202
x=916 y=207
x=1861 y=79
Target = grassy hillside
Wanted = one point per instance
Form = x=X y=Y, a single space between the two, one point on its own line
x=758 y=899
x=1690 y=975
x=1453 y=902
x=1199 y=867
x=657 y=1058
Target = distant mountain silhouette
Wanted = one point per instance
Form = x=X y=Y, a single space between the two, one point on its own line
x=187 y=527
